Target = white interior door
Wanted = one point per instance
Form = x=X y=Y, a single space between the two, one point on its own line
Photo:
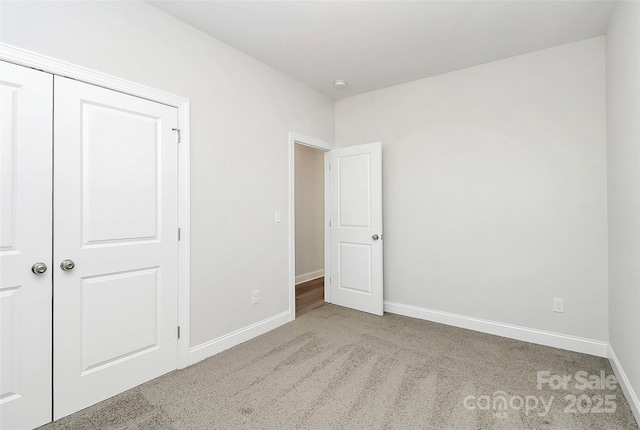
x=116 y=219
x=25 y=238
x=356 y=227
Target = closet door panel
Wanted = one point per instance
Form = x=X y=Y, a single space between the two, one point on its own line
x=26 y=106
x=116 y=219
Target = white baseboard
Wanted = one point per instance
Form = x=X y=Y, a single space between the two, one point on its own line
x=215 y=346
x=556 y=340
x=627 y=389
x=305 y=277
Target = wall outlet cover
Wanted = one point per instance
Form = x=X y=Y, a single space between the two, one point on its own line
x=558 y=305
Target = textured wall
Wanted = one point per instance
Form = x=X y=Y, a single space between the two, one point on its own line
x=623 y=150
x=494 y=182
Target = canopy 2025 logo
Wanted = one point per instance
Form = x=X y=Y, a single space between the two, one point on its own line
x=584 y=403
x=601 y=402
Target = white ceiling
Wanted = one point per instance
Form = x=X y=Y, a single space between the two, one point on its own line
x=377 y=44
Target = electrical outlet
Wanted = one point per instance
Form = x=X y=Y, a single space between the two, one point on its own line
x=255 y=297
x=558 y=305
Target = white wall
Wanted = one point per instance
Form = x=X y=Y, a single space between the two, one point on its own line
x=241 y=113
x=494 y=182
x=623 y=150
x=309 y=202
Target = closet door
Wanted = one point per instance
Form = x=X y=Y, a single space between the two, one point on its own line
x=116 y=243
x=26 y=98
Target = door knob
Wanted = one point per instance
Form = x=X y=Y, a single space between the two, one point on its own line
x=39 y=268
x=375 y=237
x=67 y=265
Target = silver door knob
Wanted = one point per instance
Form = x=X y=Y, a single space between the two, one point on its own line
x=375 y=237
x=39 y=268
x=67 y=265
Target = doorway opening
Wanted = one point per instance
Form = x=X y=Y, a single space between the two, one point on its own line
x=308 y=233
x=353 y=245
x=309 y=228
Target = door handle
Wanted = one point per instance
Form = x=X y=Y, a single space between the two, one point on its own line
x=375 y=237
x=39 y=268
x=67 y=265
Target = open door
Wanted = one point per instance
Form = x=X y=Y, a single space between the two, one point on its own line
x=356 y=227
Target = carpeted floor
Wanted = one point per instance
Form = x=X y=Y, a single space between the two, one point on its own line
x=335 y=368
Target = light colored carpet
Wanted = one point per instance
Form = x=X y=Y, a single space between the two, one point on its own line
x=335 y=368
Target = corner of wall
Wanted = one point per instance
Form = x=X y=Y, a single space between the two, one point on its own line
x=627 y=389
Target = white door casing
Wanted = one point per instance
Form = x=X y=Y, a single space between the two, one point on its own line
x=25 y=239
x=356 y=227
x=116 y=218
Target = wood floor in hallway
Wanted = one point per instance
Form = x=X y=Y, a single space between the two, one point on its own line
x=309 y=295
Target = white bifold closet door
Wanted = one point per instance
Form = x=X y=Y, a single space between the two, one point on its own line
x=116 y=218
x=25 y=240
x=102 y=317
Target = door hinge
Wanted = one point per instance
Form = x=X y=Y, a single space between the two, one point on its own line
x=178 y=332
x=329 y=223
x=178 y=234
x=329 y=166
x=178 y=131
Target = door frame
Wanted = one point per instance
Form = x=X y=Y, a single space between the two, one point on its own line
x=46 y=64
x=312 y=142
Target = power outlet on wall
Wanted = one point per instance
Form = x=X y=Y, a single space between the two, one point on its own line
x=558 y=305
x=255 y=297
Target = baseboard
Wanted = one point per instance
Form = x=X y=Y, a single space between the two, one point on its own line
x=556 y=340
x=216 y=346
x=627 y=389
x=305 y=277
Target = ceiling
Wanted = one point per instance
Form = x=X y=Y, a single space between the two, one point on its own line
x=378 y=44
